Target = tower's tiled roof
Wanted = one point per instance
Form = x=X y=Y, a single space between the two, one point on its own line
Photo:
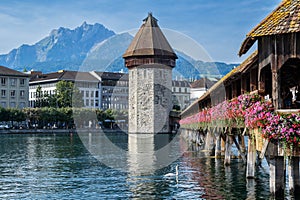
x=284 y=19
x=149 y=41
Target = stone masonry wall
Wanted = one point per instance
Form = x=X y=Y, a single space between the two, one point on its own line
x=150 y=99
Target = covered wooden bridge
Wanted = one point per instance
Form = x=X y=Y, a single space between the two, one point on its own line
x=259 y=100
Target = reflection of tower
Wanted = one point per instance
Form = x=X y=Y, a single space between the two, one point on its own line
x=150 y=60
x=141 y=154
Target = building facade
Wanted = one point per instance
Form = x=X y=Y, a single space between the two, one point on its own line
x=103 y=90
x=87 y=84
x=14 y=88
x=200 y=87
x=113 y=89
x=181 y=92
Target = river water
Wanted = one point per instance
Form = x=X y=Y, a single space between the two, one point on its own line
x=115 y=166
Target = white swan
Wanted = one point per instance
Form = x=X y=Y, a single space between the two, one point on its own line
x=172 y=174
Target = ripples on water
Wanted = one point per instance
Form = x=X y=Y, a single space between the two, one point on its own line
x=59 y=167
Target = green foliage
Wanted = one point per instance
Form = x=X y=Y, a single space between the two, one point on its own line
x=4 y=116
x=66 y=92
x=45 y=116
x=66 y=95
x=15 y=114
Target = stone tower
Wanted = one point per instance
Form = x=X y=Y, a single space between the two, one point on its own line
x=150 y=60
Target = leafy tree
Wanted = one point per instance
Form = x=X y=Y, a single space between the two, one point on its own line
x=65 y=93
x=15 y=114
x=4 y=116
x=39 y=97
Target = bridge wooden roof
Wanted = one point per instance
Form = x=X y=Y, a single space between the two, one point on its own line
x=284 y=19
x=149 y=41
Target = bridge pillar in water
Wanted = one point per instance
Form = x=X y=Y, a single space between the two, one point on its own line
x=251 y=158
x=277 y=175
x=294 y=179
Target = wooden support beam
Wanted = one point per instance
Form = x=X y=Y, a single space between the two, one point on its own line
x=218 y=145
x=228 y=146
x=244 y=131
x=294 y=179
x=251 y=158
x=277 y=176
x=222 y=146
x=263 y=152
x=209 y=142
x=242 y=143
x=223 y=140
x=239 y=148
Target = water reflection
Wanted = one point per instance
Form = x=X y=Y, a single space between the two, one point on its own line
x=141 y=154
x=60 y=167
x=226 y=182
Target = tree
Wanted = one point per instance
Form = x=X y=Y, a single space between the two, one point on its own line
x=39 y=97
x=16 y=115
x=4 y=115
x=67 y=95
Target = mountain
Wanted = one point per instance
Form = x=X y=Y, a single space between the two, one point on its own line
x=94 y=47
x=107 y=56
x=104 y=55
x=62 y=49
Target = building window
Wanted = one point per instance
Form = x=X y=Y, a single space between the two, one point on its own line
x=179 y=90
x=92 y=93
x=22 y=104
x=12 y=104
x=97 y=94
x=13 y=93
x=22 y=81
x=3 y=93
x=92 y=102
x=13 y=81
x=87 y=103
x=3 y=104
x=22 y=93
x=87 y=94
x=3 y=81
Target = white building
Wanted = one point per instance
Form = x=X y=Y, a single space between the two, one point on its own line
x=199 y=87
x=84 y=81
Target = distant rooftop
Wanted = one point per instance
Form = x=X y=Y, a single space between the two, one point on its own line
x=75 y=76
x=5 y=71
x=203 y=83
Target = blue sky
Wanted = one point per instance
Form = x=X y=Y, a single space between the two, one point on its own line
x=219 y=26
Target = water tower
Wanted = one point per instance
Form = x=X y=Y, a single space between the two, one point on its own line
x=150 y=60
